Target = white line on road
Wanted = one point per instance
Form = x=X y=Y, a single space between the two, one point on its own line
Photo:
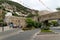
x=35 y=35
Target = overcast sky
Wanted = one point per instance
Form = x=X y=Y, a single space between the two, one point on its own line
x=35 y=4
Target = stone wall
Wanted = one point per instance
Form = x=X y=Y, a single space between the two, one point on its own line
x=18 y=21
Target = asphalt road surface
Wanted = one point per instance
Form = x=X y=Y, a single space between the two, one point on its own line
x=27 y=35
x=55 y=29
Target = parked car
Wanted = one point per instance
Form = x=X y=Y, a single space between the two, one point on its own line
x=15 y=26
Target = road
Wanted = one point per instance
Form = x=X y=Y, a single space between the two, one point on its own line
x=55 y=29
x=27 y=35
x=50 y=36
x=9 y=33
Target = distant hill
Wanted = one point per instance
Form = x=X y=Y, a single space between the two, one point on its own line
x=19 y=6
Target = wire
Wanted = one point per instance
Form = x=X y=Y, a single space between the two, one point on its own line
x=45 y=5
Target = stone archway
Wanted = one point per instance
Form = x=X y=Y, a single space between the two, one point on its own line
x=50 y=16
x=44 y=18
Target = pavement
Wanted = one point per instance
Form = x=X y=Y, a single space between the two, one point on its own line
x=49 y=36
x=18 y=34
x=26 y=35
x=9 y=32
x=55 y=29
x=5 y=28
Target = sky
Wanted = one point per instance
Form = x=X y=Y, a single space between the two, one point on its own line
x=37 y=5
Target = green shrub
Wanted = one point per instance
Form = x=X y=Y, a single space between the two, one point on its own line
x=54 y=23
x=45 y=25
x=2 y=24
x=1 y=20
x=31 y=23
x=37 y=24
x=46 y=31
x=58 y=8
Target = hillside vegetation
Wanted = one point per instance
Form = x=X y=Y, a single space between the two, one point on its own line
x=19 y=6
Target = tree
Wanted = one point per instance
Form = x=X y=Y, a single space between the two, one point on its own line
x=2 y=15
x=45 y=25
x=30 y=15
x=54 y=23
x=31 y=23
x=58 y=8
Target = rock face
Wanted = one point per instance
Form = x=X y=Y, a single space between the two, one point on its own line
x=13 y=7
x=43 y=12
x=8 y=7
x=18 y=21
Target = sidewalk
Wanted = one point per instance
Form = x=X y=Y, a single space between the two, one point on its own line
x=48 y=37
x=9 y=32
x=5 y=28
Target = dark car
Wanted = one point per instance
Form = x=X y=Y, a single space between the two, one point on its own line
x=15 y=26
